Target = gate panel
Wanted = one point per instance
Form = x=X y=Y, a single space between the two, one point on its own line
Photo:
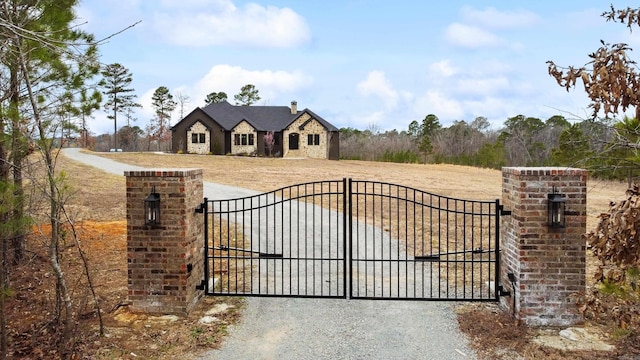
x=357 y=239
x=287 y=242
x=410 y=244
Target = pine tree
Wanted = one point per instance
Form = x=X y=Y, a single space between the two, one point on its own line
x=215 y=97
x=247 y=96
x=163 y=104
x=116 y=83
x=48 y=61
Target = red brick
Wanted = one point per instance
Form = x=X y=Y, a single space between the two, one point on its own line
x=549 y=263
x=156 y=258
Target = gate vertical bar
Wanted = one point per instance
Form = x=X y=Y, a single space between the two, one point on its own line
x=205 y=213
x=496 y=281
x=347 y=224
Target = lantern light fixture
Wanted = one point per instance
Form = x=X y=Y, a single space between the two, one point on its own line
x=556 y=209
x=152 y=208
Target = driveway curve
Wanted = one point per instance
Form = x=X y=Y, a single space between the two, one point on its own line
x=296 y=328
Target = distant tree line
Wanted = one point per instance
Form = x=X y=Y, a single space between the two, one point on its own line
x=603 y=146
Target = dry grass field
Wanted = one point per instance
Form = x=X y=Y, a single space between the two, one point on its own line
x=266 y=174
x=99 y=208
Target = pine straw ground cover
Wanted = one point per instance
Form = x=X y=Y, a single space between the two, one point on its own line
x=99 y=209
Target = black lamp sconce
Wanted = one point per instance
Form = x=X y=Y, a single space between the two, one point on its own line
x=556 y=209
x=152 y=208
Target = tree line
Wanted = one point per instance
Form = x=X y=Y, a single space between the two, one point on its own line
x=604 y=146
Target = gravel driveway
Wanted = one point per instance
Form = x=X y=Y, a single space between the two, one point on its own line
x=283 y=328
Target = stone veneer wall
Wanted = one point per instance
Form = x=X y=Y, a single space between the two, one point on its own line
x=547 y=264
x=244 y=128
x=313 y=127
x=165 y=263
x=198 y=148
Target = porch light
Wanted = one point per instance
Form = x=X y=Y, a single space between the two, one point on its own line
x=152 y=208
x=556 y=209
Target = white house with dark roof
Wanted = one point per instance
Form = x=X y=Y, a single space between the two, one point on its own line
x=222 y=128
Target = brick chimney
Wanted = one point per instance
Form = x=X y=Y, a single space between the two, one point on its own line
x=294 y=107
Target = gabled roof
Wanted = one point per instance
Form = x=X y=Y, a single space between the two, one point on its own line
x=224 y=114
x=194 y=119
x=322 y=121
x=262 y=118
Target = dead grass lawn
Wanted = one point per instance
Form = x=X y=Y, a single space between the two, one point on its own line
x=266 y=174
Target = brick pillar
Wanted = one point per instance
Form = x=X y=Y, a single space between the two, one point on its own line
x=547 y=264
x=165 y=261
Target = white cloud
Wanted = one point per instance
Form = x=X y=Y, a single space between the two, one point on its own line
x=270 y=84
x=368 y=121
x=378 y=85
x=483 y=78
x=442 y=69
x=493 y=18
x=475 y=29
x=436 y=102
x=495 y=109
x=471 y=36
x=222 y=23
x=195 y=4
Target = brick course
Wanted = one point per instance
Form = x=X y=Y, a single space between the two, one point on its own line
x=548 y=264
x=165 y=262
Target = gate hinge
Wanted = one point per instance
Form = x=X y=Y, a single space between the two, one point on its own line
x=504 y=212
x=201 y=286
x=201 y=207
x=502 y=291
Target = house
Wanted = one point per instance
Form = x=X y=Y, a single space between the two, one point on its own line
x=222 y=128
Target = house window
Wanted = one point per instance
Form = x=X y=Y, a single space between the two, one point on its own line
x=313 y=139
x=198 y=138
x=243 y=139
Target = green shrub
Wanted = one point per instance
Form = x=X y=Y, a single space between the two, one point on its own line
x=404 y=156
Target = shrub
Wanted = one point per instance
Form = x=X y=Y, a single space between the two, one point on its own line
x=616 y=240
x=403 y=156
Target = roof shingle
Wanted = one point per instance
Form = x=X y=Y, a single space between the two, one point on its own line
x=262 y=118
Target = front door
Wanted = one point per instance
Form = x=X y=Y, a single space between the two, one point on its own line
x=294 y=141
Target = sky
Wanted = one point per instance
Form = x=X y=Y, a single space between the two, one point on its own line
x=362 y=64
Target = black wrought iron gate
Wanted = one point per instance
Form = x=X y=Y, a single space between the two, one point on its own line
x=352 y=239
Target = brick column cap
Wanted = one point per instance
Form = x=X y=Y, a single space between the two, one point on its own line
x=162 y=172
x=543 y=170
